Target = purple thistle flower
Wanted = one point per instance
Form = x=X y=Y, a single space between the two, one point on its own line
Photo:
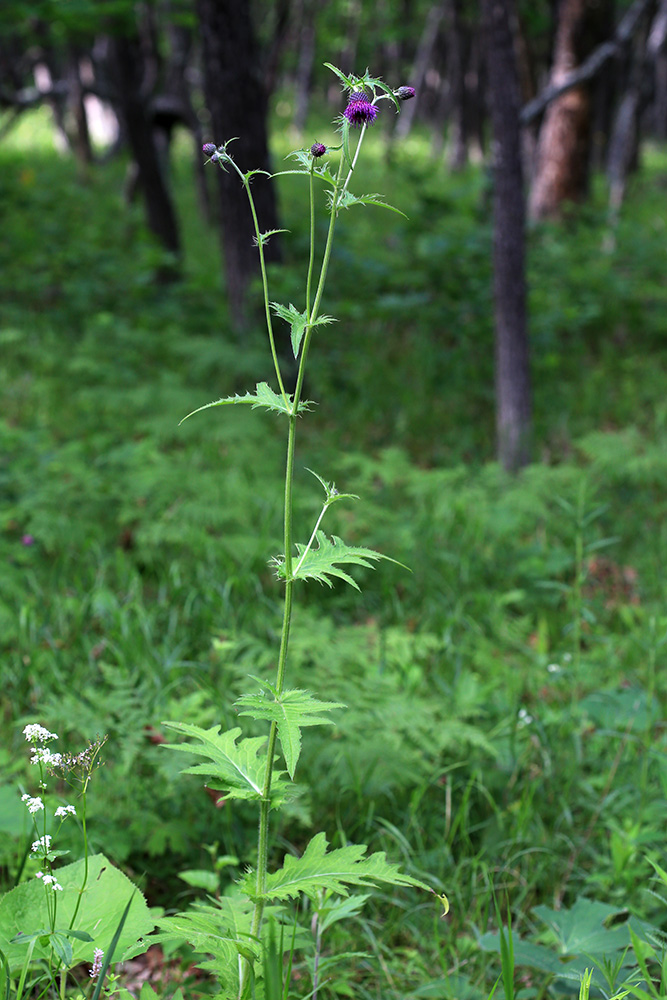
x=27 y=540
x=318 y=149
x=209 y=148
x=360 y=111
x=404 y=93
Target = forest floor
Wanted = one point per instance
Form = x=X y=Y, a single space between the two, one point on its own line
x=505 y=735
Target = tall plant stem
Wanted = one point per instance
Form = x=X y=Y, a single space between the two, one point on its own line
x=265 y=804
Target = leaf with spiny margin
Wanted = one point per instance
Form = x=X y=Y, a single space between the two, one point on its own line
x=264 y=396
x=234 y=767
x=320 y=562
x=316 y=870
x=221 y=932
x=298 y=322
x=265 y=237
x=290 y=710
x=346 y=199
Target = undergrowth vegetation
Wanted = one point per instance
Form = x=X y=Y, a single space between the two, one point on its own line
x=507 y=730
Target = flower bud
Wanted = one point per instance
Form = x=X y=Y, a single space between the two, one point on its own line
x=404 y=93
x=318 y=149
x=209 y=148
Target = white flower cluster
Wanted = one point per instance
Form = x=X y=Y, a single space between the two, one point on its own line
x=42 y=755
x=63 y=811
x=50 y=880
x=38 y=734
x=42 y=846
x=34 y=804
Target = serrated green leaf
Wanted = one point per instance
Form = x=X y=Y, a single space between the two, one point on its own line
x=322 y=561
x=316 y=870
x=298 y=322
x=347 y=81
x=264 y=397
x=347 y=199
x=234 y=767
x=290 y=711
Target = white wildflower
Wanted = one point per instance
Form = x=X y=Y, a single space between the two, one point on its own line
x=42 y=846
x=34 y=804
x=42 y=755
x=38 y=734
x=63 y=811
x=524 y=718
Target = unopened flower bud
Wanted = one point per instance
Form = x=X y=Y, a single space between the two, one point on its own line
x=318 y=149
x=209 y=148
x=404 y=93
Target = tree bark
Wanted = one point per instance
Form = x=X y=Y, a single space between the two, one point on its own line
x=127 y=65
x=513 y=392
x=563 y=154
x=236 y=100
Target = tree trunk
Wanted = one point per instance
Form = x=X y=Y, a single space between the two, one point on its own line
x=563 y=154
x=127 y=65
x=421 y=64
x=236 y=100
x=513 y=394
x=458 y=131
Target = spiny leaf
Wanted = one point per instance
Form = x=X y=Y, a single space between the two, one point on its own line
x=265 y=237
x=316 y=870
x=234 y=767
x=321 y=561
x=264 y=396
x=291 y=710
x=298 y=322
x=347 y=199
x=347 y=81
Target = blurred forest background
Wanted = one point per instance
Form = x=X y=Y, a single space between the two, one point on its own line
x=495 y=390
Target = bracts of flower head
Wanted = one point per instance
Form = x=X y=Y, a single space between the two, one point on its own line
x=317 y=149
x=404 y=93
x=359 y=110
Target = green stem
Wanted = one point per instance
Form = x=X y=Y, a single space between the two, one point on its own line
x=265 y=281
x=265 y=804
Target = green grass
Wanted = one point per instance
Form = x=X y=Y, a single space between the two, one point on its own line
x=506 y=730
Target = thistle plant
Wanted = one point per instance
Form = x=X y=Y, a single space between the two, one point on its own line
x=262 y=768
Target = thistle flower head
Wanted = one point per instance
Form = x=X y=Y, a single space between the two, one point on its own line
x=209 y=148
x=404 y=93
x=359 y=110
x=318 y=149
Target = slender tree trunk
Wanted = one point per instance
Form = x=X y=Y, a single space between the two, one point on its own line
x=421 y=64
x=127 y=67
x=563 y=155
x=458 y=130
x=236 y=100
x=513 y=393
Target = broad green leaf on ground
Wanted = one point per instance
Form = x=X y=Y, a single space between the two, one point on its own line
x=263 y=397
x=291 y=710
x=336 y=870
x=234 y=768
x=322 y=561
x=23 y=910
x=580 y=934
x=298 y=322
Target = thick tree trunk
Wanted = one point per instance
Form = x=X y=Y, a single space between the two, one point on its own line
x=563 y=154
x=513 y=394
x=127 y=65
x=236 y=100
